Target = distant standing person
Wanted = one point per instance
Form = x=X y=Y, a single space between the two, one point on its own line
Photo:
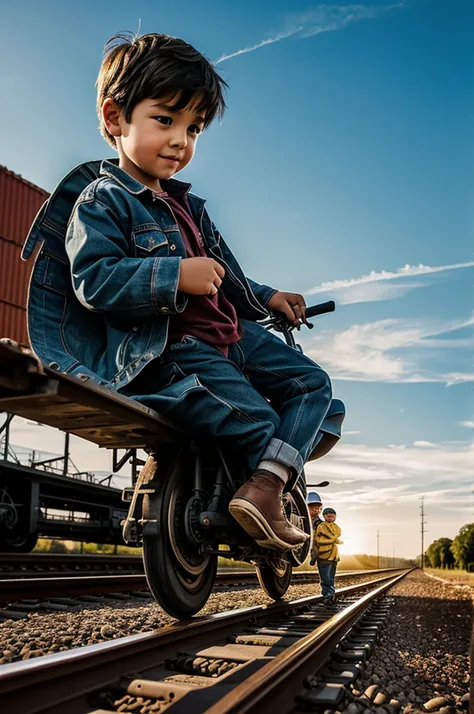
x=315 y=507
x=327 y=539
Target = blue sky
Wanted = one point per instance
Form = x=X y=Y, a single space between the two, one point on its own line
x=343 y=169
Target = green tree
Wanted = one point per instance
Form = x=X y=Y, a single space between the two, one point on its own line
x=463 y=547
x=434 y=554
x=445 y=553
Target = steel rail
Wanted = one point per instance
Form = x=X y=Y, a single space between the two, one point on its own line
x=45 y=684
x=18 y=560
x=275 y=681
x=69 y=586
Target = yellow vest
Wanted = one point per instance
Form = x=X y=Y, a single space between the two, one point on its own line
x=326 y=537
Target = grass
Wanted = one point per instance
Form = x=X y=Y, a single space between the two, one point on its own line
x=454 y=576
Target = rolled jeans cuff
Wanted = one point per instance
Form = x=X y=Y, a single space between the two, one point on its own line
x=281 y=452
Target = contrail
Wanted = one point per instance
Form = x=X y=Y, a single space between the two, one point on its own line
x=374 y=277
x=322 y=18
x=260 y=44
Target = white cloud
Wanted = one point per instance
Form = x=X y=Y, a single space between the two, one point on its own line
x=469 y=424
x=388 y=351
x=321 y=18
x=458 y=378
x=442 y=473
x=377 y=286
x=377 y=489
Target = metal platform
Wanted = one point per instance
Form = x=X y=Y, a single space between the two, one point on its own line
x=102 y=416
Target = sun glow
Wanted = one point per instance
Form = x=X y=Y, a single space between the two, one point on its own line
x=353 y=540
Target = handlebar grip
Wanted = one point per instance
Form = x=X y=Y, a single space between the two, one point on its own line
x=320 y=309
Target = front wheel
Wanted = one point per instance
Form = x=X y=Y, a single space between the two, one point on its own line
x=274 y=576
x=179 y=576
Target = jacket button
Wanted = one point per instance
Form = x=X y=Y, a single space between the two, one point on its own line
x=53 y=365
x=172 y=246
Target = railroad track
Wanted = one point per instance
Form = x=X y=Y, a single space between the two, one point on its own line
x=24 y=565
x=286 y=657
x=19 y=565
x=31 y=586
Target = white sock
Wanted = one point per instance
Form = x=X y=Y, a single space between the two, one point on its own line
x=280 y=470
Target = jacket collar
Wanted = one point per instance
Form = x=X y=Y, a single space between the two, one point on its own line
x=110 y=168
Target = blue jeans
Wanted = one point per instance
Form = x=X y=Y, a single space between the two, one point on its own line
x=197 y=386
x=327 y=574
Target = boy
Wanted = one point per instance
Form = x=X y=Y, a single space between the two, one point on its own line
x=180 y=330
x=315 y=507
x=327 y=538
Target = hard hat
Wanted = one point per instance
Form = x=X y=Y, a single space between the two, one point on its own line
x=314 y=497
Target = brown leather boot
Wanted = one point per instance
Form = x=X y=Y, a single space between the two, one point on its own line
x=258 y=508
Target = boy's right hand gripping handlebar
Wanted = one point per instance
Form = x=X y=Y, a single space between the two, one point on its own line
x=279 y=319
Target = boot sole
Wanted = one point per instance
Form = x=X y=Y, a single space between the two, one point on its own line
x=252 y=521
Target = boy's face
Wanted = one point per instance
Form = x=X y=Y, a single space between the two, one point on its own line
x=158 y=142
x=315 y=509
x=330 y=517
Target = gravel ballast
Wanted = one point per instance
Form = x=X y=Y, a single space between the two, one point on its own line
x=420 y=662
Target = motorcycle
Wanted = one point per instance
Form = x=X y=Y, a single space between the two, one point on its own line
x=179 y=511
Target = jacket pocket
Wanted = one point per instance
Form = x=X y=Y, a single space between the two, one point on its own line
x=149 y=240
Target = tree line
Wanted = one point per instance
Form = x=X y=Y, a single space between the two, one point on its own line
x=456 y=553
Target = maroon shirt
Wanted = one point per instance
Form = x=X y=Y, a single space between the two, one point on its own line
x=211 y=318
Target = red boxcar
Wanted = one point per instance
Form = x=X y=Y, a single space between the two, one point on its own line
x=20 y=201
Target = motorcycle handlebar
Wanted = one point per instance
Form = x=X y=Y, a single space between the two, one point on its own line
x=320 y=309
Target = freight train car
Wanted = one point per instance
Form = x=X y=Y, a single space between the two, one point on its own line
x=20 y=201
x=34 y=502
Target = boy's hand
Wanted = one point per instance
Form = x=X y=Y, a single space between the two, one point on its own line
x=292 y=304
x=200 y=276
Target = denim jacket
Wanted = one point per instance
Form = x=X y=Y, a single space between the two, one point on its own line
x=105 y=281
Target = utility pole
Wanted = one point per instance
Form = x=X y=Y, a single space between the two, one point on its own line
x=393 y=553
x=422 y=531
x=378 y=560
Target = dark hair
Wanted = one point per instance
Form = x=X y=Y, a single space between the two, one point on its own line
x=155 y=66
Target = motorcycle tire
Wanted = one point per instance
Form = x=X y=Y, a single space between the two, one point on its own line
x=180 y=578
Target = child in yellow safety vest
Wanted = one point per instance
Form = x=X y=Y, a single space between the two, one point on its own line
x=327 y=538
